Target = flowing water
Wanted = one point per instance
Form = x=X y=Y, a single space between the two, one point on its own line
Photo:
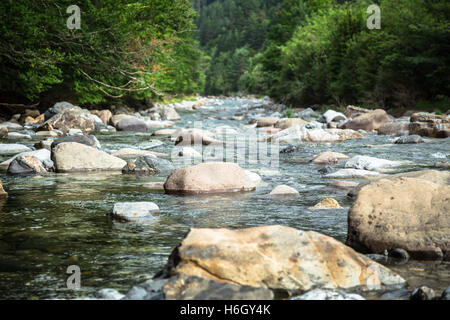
x=51 y=222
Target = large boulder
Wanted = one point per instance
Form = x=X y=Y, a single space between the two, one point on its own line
x=76 y=157
x=409 y=211
x=210 y=177
x=368 y=121
x=74 y=118
x=430 y=125
x=276 y=257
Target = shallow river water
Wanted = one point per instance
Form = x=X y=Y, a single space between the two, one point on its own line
x=51 y=222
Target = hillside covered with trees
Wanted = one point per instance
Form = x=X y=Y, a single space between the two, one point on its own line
x=299 y=52
x=304 y=52
x=123 y=49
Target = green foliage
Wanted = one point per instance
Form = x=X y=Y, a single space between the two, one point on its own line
x=335 y=58
x=321 y=51
x=125 y=48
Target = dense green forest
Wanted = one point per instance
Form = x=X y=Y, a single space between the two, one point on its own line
x=124 y=48
x=300 y=52
x=305 y=52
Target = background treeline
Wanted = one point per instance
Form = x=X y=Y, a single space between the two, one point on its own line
x=300 y=52
x=124 y=49
x=305 y=52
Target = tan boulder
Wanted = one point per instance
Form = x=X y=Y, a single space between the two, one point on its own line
x=410 y=211
x=328 y=157
x=368 y=121
x=277 y=257
x=210 y=177
x=77 y=157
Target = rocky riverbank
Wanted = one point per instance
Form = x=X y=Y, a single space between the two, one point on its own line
x=266 y=201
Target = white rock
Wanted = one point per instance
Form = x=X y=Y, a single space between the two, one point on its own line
x=75 y=132
x=254 y=177
x=370 y=163
x=352 y=173
x=133 y=210
x=332 y=115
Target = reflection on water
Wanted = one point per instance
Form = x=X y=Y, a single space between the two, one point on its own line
x=48 y=223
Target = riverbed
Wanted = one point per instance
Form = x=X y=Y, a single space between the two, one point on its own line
x=50 y=222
